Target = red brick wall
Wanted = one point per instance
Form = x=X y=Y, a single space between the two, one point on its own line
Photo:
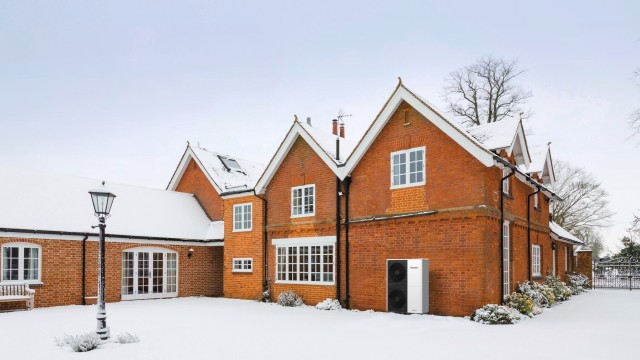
x=195 y=182
x=244 y=244
x=62 y=270
x=300 y=167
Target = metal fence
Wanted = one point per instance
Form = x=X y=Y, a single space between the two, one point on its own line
x=618 y=273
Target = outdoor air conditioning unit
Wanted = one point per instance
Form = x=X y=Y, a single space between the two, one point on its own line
x=408 y=286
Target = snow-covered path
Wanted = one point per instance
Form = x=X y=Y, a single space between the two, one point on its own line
x=206 y=328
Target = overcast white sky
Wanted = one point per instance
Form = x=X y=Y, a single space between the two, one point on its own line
x=114 y=89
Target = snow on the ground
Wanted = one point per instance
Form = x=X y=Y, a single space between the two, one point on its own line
x=217 y=328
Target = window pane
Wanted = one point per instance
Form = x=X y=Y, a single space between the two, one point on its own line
x=315 y=263
x=293 y=263
x=304 y=263
x=327 y=271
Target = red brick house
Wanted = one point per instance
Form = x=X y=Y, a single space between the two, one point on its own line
x=322 y=218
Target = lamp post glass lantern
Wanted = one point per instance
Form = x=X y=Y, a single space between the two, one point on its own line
x=102 y=200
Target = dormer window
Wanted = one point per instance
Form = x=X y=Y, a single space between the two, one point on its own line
x=230 y=164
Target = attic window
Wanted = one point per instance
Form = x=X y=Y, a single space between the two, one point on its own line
x=230 y=164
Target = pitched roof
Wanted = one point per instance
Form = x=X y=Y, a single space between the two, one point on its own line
x=560 y=233
x=507 y=134
x=323 y=143
x=48 y=202
x=542 y=164
x=220 y=169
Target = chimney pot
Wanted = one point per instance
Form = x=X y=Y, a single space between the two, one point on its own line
x=342 y=130
x=334 y=126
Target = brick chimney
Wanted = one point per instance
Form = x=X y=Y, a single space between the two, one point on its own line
x=334 y=126
x=342 y=130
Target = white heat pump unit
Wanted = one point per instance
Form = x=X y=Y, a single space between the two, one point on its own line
x=408 y=286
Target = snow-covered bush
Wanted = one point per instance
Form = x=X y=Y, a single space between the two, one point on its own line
x=79 y=343
x=521 y=302
x=329 y=304
x=265 y=297
x=289 y=298
x=578 y=283
x=496 y=314
x=127 y=338
x=541 y=294
x=560 y=290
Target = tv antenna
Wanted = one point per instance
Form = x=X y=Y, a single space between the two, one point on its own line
x=342 y=115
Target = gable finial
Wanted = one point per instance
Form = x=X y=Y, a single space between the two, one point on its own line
x=399 y=80
x=295 y=118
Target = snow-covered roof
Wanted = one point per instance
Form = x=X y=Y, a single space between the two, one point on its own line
x=542 y=164
x=582 y=248
x=59 y=203
x=563 y=234
x=323 y=143
x=507 y=134
x=227 y=174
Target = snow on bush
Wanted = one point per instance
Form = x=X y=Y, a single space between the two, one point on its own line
x=79 y=343
x=496 y=314
x=523 y=303
x=578 y=283
x=265 y=297
x=329 y=304
x=541 y=294
x=127 y=338
x=289 y=298
x=560 y=290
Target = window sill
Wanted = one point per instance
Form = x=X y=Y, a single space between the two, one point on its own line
x=392 y=187
x=538 y=209
x=302 y=216
x=538 y=277
x=242 y=271
x=508 y=196
x=241 y=230
x=305 y=282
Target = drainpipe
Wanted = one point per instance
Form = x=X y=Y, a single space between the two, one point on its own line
x=265 y=285
x=347 y=184
x=84 y=269
x=502 y=234
x=529 y=228
x=337 y=220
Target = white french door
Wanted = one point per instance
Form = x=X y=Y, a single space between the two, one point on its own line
x=149 y=273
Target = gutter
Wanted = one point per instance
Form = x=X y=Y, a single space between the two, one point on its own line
x=131 y=237
x=528 y=179
x=529 y=230
x=501 y=242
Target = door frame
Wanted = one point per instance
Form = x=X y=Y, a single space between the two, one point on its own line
x=150 y=294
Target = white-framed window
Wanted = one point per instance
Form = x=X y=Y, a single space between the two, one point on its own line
x=21 y=262
x=536 y=200
x=506 y=240
x=408 y=168
x=535 y=260
x=505 y=182
x=310 y=262
x=149 y=273
x=566 y=258
x=242 y=217
x=303 y=201
x=242 y=265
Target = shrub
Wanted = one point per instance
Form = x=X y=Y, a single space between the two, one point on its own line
x=521 y=302
x=127 y=338
x=329 y=304
x=560 y=290
x=265 y=297
x=541 y=294
x=578 y=283
x=79 y=343
x=496 y=314
x=289 y=298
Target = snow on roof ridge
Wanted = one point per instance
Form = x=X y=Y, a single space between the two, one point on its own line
x=326 y=141
x=497 y=134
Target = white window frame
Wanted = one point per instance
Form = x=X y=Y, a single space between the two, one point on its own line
x=536 y=256
x=505 y=182
x=242 y=265
x=240 y=209
x=21 y=246
x=165 y=275
x=566 y=258
x=322 y=242
x=407 y=164
x=506 y=246
x=304 y=201
x=536 y=201
x=554 y=262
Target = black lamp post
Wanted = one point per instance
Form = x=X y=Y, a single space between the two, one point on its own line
x=102 y=200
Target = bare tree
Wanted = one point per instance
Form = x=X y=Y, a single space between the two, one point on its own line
x=593 y=239
x=485 y=91
x=585 y=204
x=634 y=122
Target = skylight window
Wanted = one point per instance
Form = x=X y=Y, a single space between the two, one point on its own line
x=230 y=163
